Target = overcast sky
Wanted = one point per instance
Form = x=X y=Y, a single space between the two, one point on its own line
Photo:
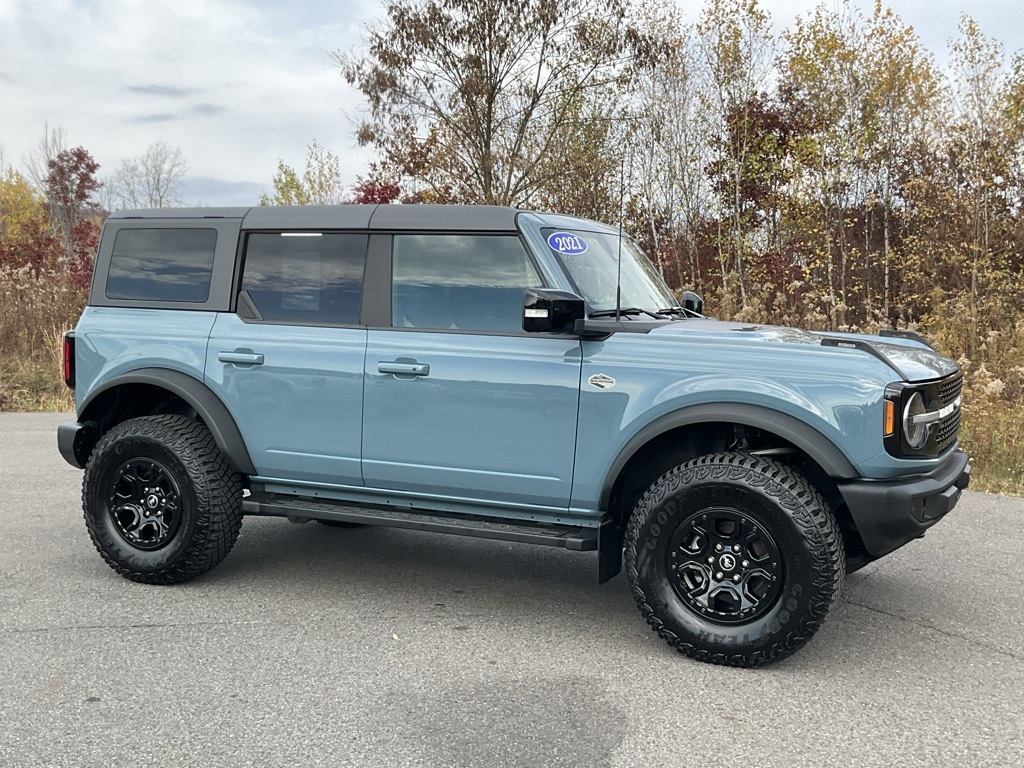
x=238 y=84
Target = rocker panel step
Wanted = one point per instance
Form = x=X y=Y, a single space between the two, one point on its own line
x=578 y=539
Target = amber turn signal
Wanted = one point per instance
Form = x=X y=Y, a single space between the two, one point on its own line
x=890 y=417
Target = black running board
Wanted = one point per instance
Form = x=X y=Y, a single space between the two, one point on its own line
x=303 y=510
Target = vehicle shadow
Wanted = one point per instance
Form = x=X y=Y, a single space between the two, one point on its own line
x=313 y=559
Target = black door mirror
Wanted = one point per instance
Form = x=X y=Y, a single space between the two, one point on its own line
x=691 y=302
x=546 y=310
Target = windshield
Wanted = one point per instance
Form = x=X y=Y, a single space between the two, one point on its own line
x=591 y=259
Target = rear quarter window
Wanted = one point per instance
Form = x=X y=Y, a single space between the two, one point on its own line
x=162 y=265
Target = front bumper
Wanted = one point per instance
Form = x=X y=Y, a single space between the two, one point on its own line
x=889 y=513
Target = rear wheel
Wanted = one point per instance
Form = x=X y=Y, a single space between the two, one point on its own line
x=734 y=559
x=161 y=502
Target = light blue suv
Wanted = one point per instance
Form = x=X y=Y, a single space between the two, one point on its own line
x=496 y=373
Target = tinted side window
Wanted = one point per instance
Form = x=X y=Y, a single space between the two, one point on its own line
x=305 y=278
x=162 y=265
x=460 y=282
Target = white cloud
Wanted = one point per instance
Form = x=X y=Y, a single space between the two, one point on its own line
x=236 y=85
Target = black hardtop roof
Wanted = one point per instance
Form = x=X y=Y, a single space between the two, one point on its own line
x=484 y=218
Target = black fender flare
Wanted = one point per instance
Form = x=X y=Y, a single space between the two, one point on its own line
x=802 y=435
x=207 y=405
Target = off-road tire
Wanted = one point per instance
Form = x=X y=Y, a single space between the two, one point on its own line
x=787 y=508
x=210 y=493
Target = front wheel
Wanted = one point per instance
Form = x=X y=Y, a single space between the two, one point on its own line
x=161 y=502
x=734 y=559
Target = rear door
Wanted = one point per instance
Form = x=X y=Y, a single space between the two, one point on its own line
x=460 y=402
x=289 y=362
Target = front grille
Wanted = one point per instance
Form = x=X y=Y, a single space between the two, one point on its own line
x=938 y=395
x=949 y=388
x=945 y=432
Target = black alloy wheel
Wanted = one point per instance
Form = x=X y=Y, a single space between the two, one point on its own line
x=145 y=503
x=724 y=565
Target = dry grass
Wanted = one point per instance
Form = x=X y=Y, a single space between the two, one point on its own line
x=993 y=436
x=35 y=310
x=993 y=428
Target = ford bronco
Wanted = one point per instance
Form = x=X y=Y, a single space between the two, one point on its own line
x=496 y=373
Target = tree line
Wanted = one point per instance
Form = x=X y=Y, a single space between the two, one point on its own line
x=831 y=174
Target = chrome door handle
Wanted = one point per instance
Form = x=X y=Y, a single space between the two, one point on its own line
x=238 y=357
x=402 y=368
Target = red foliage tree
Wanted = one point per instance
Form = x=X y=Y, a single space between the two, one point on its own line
x=373 y=190
x=69 y=189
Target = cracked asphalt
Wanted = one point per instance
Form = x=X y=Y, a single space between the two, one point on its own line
x=316 y=646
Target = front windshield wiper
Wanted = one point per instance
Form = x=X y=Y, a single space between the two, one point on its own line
x=681 y=311
x=626 y=311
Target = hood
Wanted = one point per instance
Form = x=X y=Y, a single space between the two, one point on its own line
x=914 y=361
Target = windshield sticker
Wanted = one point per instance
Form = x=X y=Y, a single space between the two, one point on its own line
x=568 y=243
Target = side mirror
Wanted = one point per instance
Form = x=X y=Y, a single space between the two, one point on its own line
x=546 y=310
x=691 y=302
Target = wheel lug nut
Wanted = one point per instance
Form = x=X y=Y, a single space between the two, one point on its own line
x=718 y=547
x=718 y=575
x=711 y=559
x=736 y=577
x=746 y=563
x=735 y=547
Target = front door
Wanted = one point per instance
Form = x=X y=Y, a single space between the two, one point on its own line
x=459 y=402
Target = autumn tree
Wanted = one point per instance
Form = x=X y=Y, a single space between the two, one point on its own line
x=824 y=82
x=581 y=172
x=669 y=146
x=70 y=187
x=37 y=162
x=319 y=184
x=20 y=206
x=903 y=86
x=984 y=141
x=474 y=96
x=374 y=190
x=151 y=180
x=737 y=47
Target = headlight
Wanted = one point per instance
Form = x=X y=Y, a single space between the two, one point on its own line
x=915 y=429
x=920 y=419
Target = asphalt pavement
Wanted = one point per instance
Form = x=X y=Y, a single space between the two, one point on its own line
x=316 y=646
